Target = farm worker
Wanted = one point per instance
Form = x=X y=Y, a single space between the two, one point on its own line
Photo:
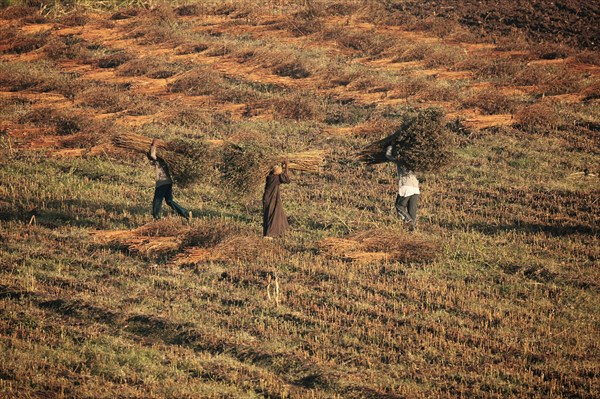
x=274 y=219
x=164 y=186
x=408 y=191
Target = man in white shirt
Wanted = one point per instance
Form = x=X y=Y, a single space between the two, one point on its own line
x=408 y=191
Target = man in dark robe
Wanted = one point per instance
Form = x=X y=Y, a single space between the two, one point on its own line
x=274 y=219
x=164 y=187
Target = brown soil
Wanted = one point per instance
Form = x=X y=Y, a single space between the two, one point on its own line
x=571 y=21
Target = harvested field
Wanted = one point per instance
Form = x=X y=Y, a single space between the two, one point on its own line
x=493 y=296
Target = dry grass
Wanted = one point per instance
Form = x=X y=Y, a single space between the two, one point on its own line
x=136 y=142
x=104 y=98
x=443 y=56
x=297 y=106
x=153 y=240
x=18 y=12
x=169 y=227
x=551 y=51
x=369 y=44
x=592 y=92
x=74 y=18
x=113 y=60
x=198 y=82
x=28 y=42
x=66 y=47
x=204 y=241
x=492 y=101
x=125 y=13
x=512 y=41
x=438 y=25
x=155 y=26
x=222 y=241
x=374 y=128
x=411 y=86
x=189 y=10
x=551 y=79
x=497 y=70
x=588 y=57
x=113 y=99
x=541 y=117
x=381 y=245
x=292 y=69
x=63 y=123
x=7 y=34
x=413 y=52
x=151 y=67
x=16 y=77
x=303 y=23
x=37 y=76
x=442 y=91
x=191 y=48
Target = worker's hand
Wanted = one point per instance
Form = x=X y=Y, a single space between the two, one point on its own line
x=154 y=141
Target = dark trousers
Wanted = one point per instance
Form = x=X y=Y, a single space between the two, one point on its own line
x=406 y=207
x=166 y=192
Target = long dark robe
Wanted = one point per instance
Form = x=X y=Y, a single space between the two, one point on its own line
x=274 y=219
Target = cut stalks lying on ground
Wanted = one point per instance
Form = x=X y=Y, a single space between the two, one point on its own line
x=381 y=245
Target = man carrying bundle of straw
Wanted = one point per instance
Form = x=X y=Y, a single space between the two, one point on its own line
x=421 y=143
x=408 y=191
x=274 y=219
x=164 y=187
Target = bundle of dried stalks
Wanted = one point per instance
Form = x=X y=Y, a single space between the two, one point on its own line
x=207 y=234
x=155 y=238
x=234 y=248
x=224 y=241
x=194 y=255
x=246 y=248
x=140 y=244
x=189 y=160
x=106 y=236
x=401 y=246
x=421 y=142
x=167 y=227
x=339 y=247
x=245 y=166
x=381 y=239
x=136 y=142
x=380 y=244
x=152 y=245
x=305 y=161
x=368 y=257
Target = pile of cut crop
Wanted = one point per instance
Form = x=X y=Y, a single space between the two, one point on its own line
x=421 y=142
